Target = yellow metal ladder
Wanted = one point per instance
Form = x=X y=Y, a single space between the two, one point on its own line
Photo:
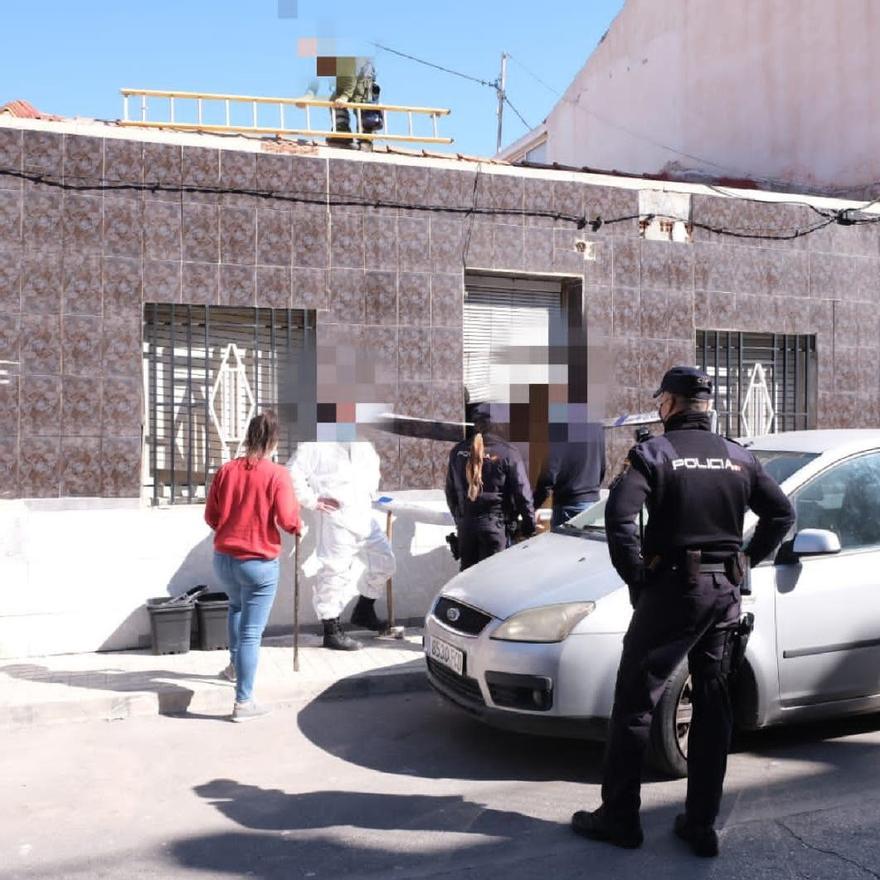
x=198 y=111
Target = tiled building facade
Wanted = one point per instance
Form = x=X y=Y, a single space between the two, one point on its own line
x=379 y=246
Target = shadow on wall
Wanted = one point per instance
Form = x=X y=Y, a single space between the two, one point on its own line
x=195 y=568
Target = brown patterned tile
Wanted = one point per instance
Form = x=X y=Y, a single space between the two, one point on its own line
x=569 y=198
x=446 y=355
x=311 y=237
x=447 y=244
x=380 y=183
x=380 y=344
x=41 y=284
x=626 y=263
x=200 y=175
x=625 y=312
x=846 y=368
x=447 y=300
x=81 y=409
x=346 y=182
x=414 y=360
x=83 y=160
x=479 y=243
x=121 y=467
x=81 y=346
x=201 y=233
x=565 y=257
x=238 y=235
x=121 y=347
x=41 y=220
x=310 y=289
x=598 y=308
x=200 y=283
x=411 y=182
x=388 y=450
x=40 y=398
x=121 y=407
x=309 y=179
x=124 y=165
x=81 y=284
x=10 y=280
x=380 y=238
x=414 y=298
x=667 y=265
x=9 y=481
x=83 y=223
x=869 y=372
x=413 y=244
x=123 y=228
x=538 y=249
x=507 y=197
x=43 y=153
x=347 y=296
x=123 y=285
x=381 y=298
x=238 y=171
x=40 y=344
x=449 y=188
x=40 y=467
x=10 y=217
x=162 y=282
x=238 y=285
x=273 y=287
x=611 y=203
x=10 y=341
x=81 y=467
x=162 y=172
x=538 y=202
x=507 y=247
x=274 y=237
x=275 y=175
x=347 y=240
x=10 y=157
x=416 y=463
x=449 y=403
x=414 y=399
x=162 y=230
x=10 y=409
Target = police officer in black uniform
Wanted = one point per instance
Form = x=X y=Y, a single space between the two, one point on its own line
x=684 y=586
x=487 y=489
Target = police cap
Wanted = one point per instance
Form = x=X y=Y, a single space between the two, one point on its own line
x=687 y=381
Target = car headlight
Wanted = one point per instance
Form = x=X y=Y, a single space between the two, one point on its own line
x=552 y=623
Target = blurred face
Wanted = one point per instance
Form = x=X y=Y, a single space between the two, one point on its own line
x=665 y=405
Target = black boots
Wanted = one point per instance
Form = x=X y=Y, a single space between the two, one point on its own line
x=703 y=839
x=597 y=826
x=364 y=615
x=335 y=637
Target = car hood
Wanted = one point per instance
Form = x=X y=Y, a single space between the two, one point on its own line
x=545 y=570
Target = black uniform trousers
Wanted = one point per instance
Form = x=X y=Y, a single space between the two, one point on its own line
x=480 y=537
x=675 y=617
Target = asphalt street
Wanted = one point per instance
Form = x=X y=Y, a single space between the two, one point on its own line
x=403 y=787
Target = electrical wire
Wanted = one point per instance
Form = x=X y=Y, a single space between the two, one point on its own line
x=476 y=79
x=535 y=76
x=507 y=101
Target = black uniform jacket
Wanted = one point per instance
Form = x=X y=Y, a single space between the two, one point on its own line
x=506 y=492
x=696 y=486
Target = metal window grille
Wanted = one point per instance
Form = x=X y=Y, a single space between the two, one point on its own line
x=789 y=365
x=208 y=370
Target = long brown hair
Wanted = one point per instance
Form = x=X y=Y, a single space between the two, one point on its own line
x=262 y=435
x=474 y=467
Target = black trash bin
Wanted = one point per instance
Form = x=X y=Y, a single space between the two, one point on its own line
x=212 y=611
x=170 y=625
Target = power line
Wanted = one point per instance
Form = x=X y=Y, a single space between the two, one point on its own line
x=507 y=101
x=535 y=77
x=476 y=79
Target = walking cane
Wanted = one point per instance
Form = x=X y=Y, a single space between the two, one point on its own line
x=296 y=603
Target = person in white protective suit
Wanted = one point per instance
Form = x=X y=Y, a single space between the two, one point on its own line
x=339 y=481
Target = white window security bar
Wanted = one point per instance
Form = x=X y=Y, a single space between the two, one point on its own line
x=204 y=102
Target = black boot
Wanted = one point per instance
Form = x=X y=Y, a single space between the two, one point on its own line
x=597 y=826
x=335 y=637
x=703 y=839
x=364 y=615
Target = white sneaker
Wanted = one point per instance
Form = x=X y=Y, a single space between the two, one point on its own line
x=228 y=673
x=248 y=711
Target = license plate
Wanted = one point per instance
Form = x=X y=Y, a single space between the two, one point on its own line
x=446 y=654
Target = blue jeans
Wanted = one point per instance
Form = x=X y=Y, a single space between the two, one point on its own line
x=250 y=585
x=565 y=512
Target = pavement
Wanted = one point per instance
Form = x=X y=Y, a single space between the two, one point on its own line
x=112 y=686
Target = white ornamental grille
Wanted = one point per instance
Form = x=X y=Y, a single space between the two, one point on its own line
x=232 y=402
x=757 y=410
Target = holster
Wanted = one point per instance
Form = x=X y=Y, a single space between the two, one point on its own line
x=452 y=540
x=736 y=644
x=736 y=568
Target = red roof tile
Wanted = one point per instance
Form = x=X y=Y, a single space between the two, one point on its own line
x=25 y=110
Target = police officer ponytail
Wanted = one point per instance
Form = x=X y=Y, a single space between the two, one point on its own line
x=474 y=469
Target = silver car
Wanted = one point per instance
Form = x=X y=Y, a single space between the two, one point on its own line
x=530 y=639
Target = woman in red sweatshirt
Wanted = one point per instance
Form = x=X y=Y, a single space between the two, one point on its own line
x=250 y=498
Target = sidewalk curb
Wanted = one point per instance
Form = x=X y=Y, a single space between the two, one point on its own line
x=209 y=699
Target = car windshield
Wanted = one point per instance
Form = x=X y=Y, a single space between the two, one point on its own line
x=779 y=464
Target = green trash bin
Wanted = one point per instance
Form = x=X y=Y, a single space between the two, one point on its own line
x=170 y=625
x=212 y=612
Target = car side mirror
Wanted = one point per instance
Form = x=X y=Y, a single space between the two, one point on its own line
x=815 y=542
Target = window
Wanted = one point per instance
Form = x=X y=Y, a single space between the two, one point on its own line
x=844 y=500
x=764 y=382
x=208 y=370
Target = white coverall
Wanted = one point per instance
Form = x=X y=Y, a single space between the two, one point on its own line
x=353 y=551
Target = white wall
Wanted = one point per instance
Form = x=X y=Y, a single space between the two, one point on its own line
x=783 y=90
x=74 y=576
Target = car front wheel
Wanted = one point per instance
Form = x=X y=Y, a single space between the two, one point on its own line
x=672 y=725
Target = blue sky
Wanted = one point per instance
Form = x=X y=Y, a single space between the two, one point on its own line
x=71 y=57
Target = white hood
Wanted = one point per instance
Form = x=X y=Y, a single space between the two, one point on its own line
x=545 y=570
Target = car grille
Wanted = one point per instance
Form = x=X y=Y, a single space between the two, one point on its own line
x=470 y=621
x=461 y=685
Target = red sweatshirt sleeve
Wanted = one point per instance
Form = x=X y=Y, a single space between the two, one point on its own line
x=212 y=506
x=286 y=505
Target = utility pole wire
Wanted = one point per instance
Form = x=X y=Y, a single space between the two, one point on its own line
x=507 y=100
x=476 y=79
x=535 y=77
